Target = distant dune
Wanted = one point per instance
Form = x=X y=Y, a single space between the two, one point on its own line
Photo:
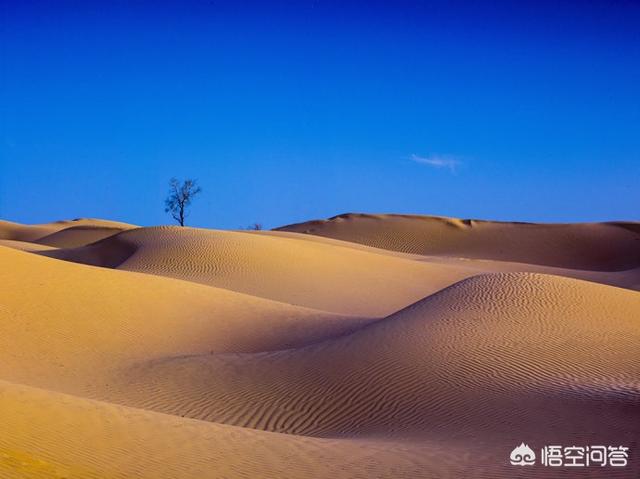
x=589 y=246
x=378 y=346
x=63 y=234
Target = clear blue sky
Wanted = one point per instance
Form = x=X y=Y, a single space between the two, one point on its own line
x=288 y=111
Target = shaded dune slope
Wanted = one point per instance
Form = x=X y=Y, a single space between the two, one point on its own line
x=611 y=246
x=36 y=443
x=312 y=274
x=47 y=435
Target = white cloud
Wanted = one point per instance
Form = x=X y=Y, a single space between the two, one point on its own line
x=448 y=162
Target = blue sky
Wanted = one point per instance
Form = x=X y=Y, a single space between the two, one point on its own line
x=288 y=111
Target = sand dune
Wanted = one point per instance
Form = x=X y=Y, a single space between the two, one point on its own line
x=628 y=278
x=489 y=355
x=48 y=435
x=588 y=246
x=88 y=322
x=79 y=235
x=25 y=245
x=185 y=353
x=65 y=234
x=312 y=274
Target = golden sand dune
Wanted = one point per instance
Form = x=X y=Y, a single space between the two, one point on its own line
x=628 y=278
x=25 y=245
x=64 y=234
x=587 y=246
x=68 y=326
x=498 y=355
x=318 y=275
x=79 y=235
x=47 y=435
x=187 y=353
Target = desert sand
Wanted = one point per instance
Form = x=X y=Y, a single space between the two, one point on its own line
x=364 y=346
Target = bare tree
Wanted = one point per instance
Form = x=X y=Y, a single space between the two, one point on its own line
x=180 y=197
x=255 y=227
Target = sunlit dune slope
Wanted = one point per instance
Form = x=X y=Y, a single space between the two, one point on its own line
x=64 y=234
x=588 y=246
x=69 y=326
x=505 y=356
x=312 y=274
